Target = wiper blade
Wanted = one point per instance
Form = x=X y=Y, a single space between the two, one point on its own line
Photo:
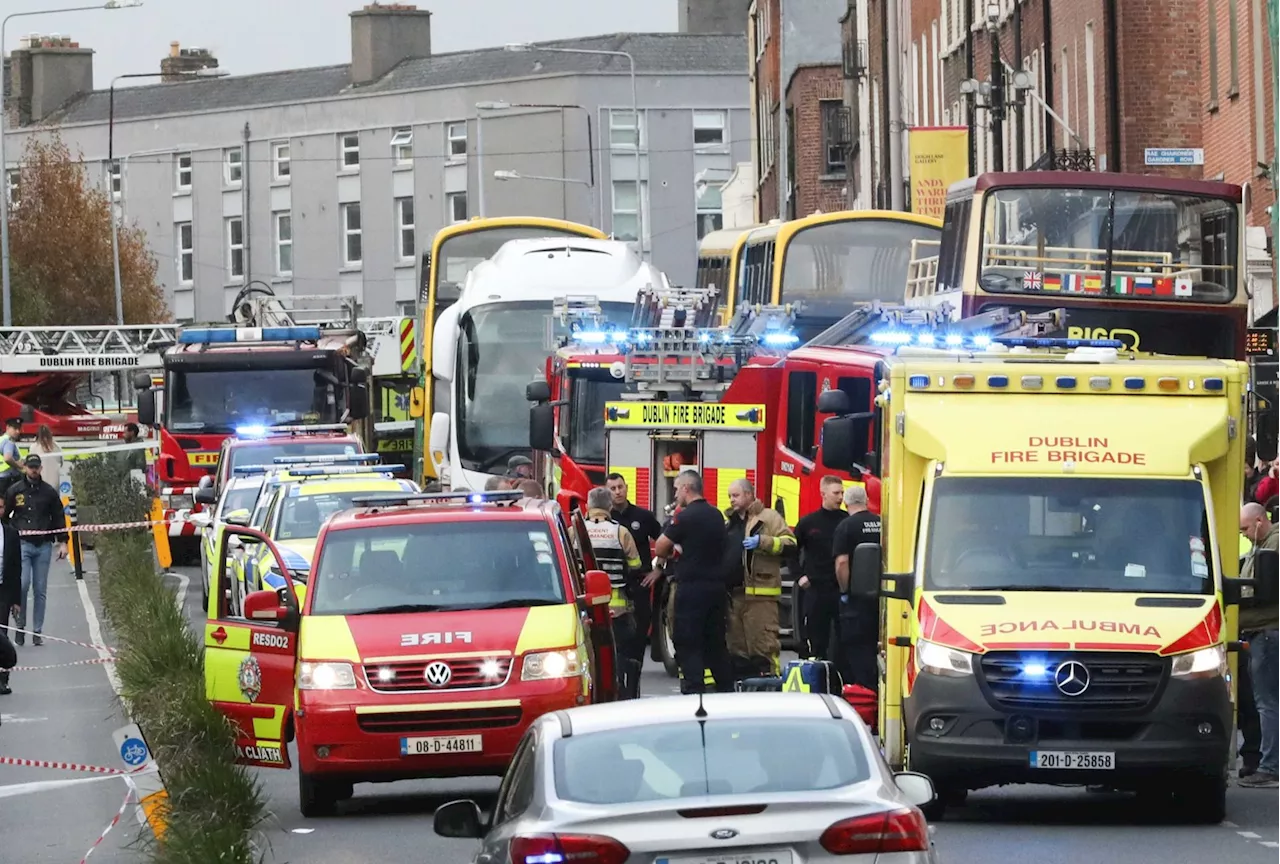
x=520 y=602
x=403 y=607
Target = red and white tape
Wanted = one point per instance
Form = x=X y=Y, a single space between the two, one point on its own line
x=68 y=766
x=124 y=806
x=94 y=529
x=94 y=661
x=88 y=645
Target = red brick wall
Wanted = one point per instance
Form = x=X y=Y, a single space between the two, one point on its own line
x=1159 y=80
x=767 y=72
x=815 y=190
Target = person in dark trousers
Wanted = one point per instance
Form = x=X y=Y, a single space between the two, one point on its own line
x=645 y=530
x=702 y=601
x=615 y=552
x=33 y=505
x=1260 y=627
x=10 y=599
x=815 y=538
x=859 y=612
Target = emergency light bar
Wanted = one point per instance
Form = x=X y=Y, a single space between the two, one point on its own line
x=244 y=470
x=497 y=496
x=328 y=460
x=981 y=341
x=258 y=430
x=344 y=470
x=211 y=335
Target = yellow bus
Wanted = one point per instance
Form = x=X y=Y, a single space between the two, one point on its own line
x=715 y=260
x=455 y=250
x=829 y=262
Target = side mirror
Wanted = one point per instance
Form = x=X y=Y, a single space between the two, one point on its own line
x=438 y=441
x=265 y=606
x=357 y=399
x=206 y=495
x=542 y=427
x=844 y=441
x=916 y=788
x=459 y=819
x=147 y=408
x=537 y=391
x=205 y=482
x=417 y=402
x=599 y=588
x=835 y=402
x=865 y=569
x=142 y=381
x=237 y=517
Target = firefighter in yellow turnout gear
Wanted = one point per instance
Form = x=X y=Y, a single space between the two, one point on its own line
x=616 y=553
x=758 y=538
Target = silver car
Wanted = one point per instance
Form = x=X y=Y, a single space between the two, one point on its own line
x=733 y=778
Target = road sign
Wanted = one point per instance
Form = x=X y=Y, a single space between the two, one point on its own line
x=131 y=746
x=1175 y=156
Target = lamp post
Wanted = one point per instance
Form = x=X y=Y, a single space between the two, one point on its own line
x=4 y=163
x=635 y=112
x=591 y=153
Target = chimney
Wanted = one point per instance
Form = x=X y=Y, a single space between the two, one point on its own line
x=183 y=61
x=382 y=36
x=46 y=72
x=713 y=16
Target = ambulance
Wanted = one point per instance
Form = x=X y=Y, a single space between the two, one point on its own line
x=1057 y=565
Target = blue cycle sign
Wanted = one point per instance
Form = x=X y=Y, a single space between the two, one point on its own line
x=133 y=752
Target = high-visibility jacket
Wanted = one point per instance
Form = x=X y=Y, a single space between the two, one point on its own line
x=616 y=554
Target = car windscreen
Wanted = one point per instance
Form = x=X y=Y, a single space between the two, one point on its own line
x=1069 y=534
x=669 y=761
x=240 y=499
x=302 y=515
x=478 y=564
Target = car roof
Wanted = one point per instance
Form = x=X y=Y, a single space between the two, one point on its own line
x=612 y=716
x=368 y=517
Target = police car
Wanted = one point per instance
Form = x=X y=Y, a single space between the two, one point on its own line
x=434 y=630
x=257 y=445
x=235 y=506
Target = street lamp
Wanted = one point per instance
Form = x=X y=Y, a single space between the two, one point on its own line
x=516 y=175
x=111 y=164
x=4 y=163
x=635 y=112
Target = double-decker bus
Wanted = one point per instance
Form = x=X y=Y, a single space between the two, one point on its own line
x=716 y=255
x=1151 y=261
x=455 y=251
x=829 y=262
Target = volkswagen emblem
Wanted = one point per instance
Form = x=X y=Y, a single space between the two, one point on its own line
x=1071 y=678
x=723 y=834
x=437 y=674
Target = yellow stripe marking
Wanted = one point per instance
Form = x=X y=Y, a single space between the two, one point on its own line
x=436 y=706
x=327 y=637
x=549 y=627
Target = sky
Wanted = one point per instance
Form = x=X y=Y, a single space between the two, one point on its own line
x=250 y=36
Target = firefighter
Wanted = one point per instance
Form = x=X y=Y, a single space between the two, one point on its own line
x=757 y=538
x=859 y=626
x=700 y=604
x=615 y=552
x=645 y=529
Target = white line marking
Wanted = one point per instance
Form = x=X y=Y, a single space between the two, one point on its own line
x=1229 y=824
x=95 y=637
x=14 y=718
x=180 y=596
x=302 y=830
x=1249 y=835
x=13 y=790
x=1270 y=844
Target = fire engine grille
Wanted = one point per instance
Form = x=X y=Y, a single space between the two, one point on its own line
x=469 y=673
x=429 y=722
x=1115 y=682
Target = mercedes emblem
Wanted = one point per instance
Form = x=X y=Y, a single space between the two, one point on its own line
x=724 y=834
x=1071 y=678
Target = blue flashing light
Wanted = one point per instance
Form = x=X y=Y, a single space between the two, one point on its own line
x=202 y=335
x=476 y=499
x=222 y=335
x=891 y=337
x=1067 y=382
x=1135 y=383
x=779 y=339
x=954 y=340
x=1214 y=385
x=287 y=334
x=924 y=338
x=918 y=382
x=339 y=470
x=1047 y=342
x=1035 y=670
x=592 y=337
x=704 y=337
x=251 y=431
x=328 y=459
x=997 y=380
x=640 y=337
x=982 y=342
x=246 y=470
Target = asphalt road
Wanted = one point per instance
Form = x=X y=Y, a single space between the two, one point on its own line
x=70 y=713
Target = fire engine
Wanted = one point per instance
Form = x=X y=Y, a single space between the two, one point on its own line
x=280 y=362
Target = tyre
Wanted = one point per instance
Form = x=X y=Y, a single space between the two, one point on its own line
x=1201 y=800
x=666 y=648
x=318 y=797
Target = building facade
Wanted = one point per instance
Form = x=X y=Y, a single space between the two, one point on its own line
x=333 y=180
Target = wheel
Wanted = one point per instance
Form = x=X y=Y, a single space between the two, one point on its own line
x=666 y=648
x=1201 y=800
x=318 y=797
x=948 y=794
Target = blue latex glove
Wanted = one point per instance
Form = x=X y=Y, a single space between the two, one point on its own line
x=751 y=543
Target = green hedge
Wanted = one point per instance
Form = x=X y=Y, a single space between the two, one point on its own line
x=215 y=806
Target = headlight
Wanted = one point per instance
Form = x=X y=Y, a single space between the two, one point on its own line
x=326 y=676
x=940 y=660
x=179 y=502
x=1205 y=663
x=547 y=665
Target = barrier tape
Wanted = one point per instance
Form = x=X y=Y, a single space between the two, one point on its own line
x=128 y=799
x=95 y=660
x=69 y=766
x=88 y=645
x=90 y=529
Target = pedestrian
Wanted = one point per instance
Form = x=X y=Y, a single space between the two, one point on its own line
x=50 y=457
x=10 y=599
x=531 y=489
x=615 y=552
x=520 y=467
x=1259 y=622
x=756 y=539
x=701 y=605
x=495 y=484
x=32 y=505
x=859 y=626
x=11 y=470
x=815 y=538
x=644 y=529
x=134 y=459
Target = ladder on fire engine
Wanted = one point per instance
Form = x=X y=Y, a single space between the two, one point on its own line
x=675 y=307
x=84 y=349
x=858 y=326
x=259 y=307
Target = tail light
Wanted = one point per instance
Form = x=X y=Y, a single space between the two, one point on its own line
x=891 y=831
x=567 y=849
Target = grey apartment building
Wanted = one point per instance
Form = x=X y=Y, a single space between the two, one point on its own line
x=335 y=179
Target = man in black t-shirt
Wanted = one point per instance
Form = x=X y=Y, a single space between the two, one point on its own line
x=815 y=538
x=859 y=613
x=701 y=602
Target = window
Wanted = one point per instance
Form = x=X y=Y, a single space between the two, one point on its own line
x=835 y=135
x=626 y=209
x=516 y=794
x=235 y=248
x=1090 y=86
x=402 y=146
x=1213 y=55
x=12 y=181
x=114 y=169
x=708 y=129
x=802 y=412
x=353 y=240
x=623 y=131
x=350 y=156
x=284 y=244
x=280 y=161
x=186 y=252
x=1233 y=35
x=404 y=228
x=182 y=163
x=456 y=206
x=456 y=138
x=233 y=165
x=710 y=213
x=762 y=27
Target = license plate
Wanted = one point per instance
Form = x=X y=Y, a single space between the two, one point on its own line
x=1073 y=759
x=761 y=856
x=440 y=745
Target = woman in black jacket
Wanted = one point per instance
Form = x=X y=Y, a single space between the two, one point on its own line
x=10 y=598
